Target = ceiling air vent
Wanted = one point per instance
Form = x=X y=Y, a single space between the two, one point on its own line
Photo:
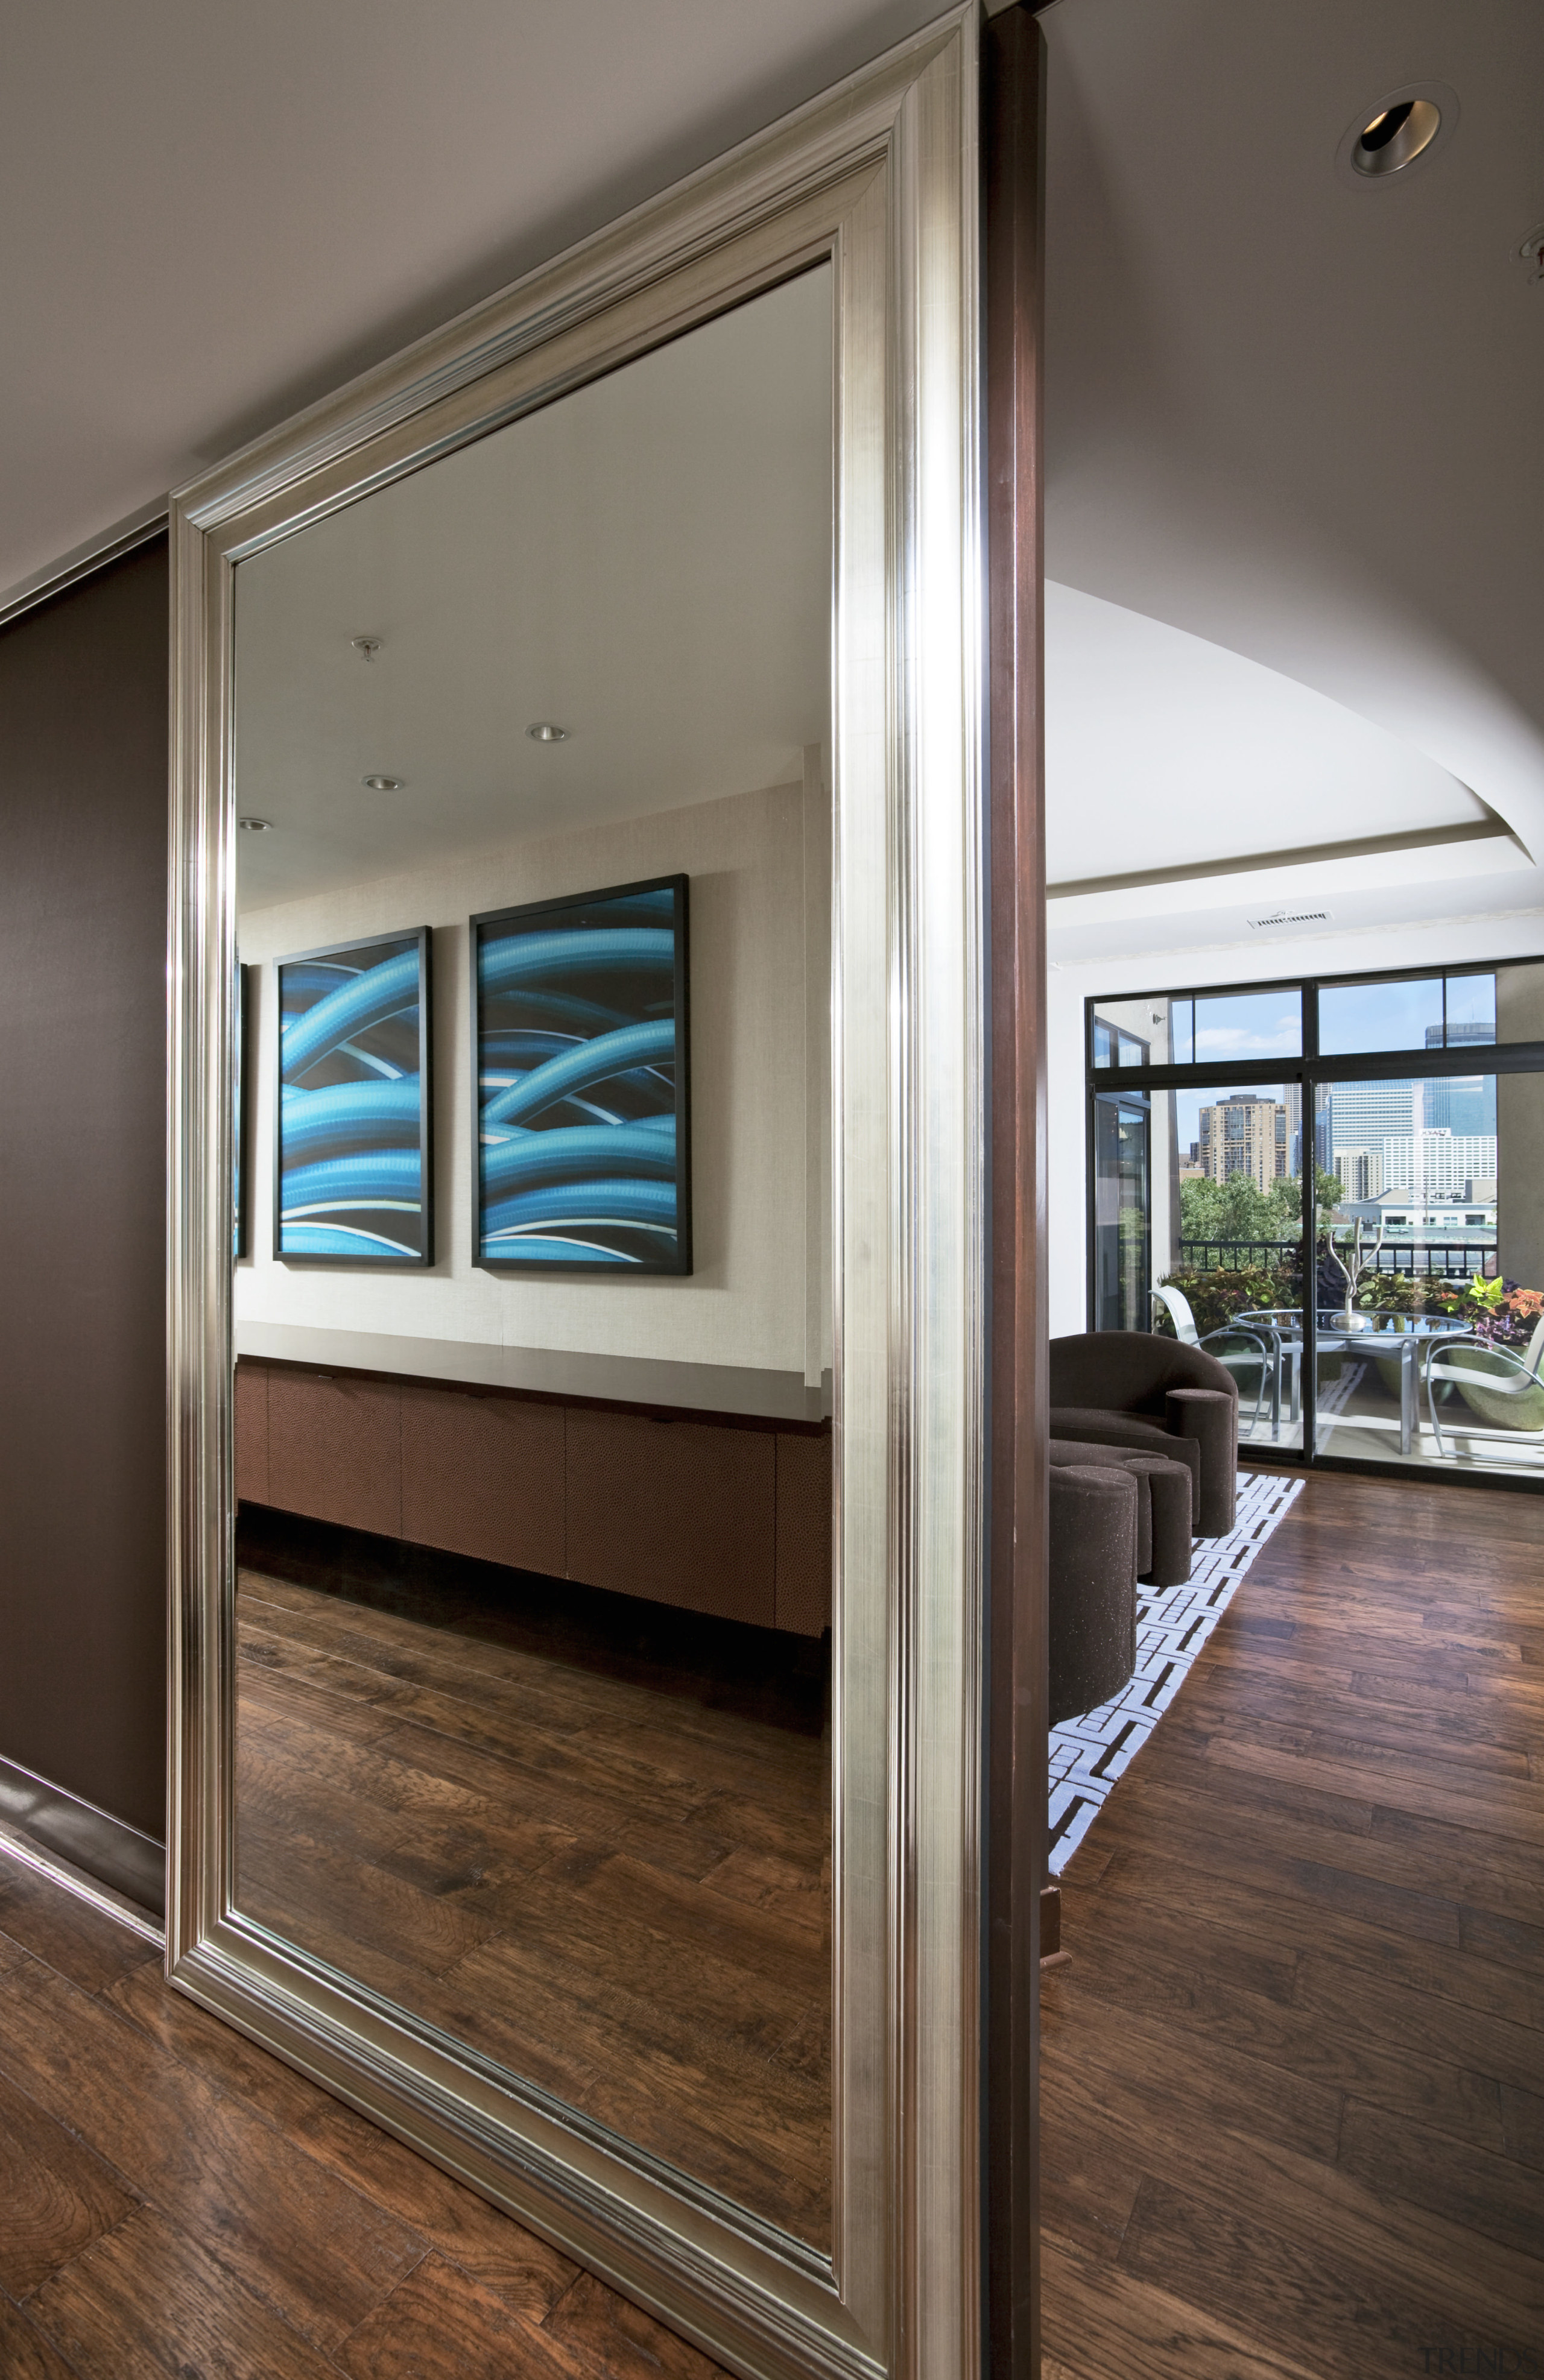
x=1290 y=918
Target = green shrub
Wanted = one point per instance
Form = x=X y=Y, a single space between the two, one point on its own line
x=1216 y=1297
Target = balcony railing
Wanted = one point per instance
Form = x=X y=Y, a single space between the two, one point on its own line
x=1240 y=1256
x=1423 y=1259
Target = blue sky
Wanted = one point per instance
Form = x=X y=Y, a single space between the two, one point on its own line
x=1355 y=1016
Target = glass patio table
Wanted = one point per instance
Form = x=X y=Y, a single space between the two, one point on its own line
x=1376 y=1331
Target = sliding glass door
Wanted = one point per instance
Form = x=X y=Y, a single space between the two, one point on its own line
x=1335 y=1186
x=1122 y=1212
x=1430 y=1323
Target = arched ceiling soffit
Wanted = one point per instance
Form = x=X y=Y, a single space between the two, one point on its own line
x=1296 y=415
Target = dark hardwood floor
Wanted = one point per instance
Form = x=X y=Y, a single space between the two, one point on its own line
x=1292 y=2079
x=177 y=2205
x=612 y=1876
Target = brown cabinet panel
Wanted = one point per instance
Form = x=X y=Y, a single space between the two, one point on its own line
x=681 y=1512
x=334 y=1450
x=251 y=1432
x=804 y=1549
x=483 y=1475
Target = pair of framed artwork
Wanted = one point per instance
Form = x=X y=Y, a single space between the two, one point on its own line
x=580 y=1092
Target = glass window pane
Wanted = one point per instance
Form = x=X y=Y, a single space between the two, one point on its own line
x=1188 y=1028
x=1248 y=1024
x=1122 y=1212
x=1471 y=1009
x=1138 y=1031
x=1404 y=1015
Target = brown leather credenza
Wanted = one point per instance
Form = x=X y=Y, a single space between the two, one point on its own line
x=696 y=1501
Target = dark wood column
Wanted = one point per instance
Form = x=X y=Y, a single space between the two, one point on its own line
x=1013 y=121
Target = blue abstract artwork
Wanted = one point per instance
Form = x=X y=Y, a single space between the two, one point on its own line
x=581 y=1092
x=352 y=1155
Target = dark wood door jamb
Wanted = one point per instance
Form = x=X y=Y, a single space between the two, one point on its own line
x=1012 y=144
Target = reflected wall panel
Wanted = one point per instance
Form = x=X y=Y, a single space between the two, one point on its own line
x=251 y=1433
x=680 y=1511
x=82 y=1189
x=484 y=1475
x=804 y=1548
x=334 y=1450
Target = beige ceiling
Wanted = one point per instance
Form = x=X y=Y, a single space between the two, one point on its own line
x=647 y=563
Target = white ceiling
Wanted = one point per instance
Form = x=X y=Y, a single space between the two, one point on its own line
x=646 y=563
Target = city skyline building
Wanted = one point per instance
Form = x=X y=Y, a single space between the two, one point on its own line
x=1359 y=1172
x=1362 y=1115
x=1439 y=1164
x=1244 y=1137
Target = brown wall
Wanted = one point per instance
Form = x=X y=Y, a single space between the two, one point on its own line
x=82 y=1189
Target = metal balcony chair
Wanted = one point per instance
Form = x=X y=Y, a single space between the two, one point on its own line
x=1265 y=1341
x=1520 y=1385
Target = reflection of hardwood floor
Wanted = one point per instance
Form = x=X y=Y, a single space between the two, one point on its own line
x=619 y=1891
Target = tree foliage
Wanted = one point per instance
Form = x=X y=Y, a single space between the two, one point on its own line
x=1239 y=1210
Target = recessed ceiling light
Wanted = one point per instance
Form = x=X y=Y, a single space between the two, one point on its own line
x=1404 y=125
x=1396 y=136
x=384 y=785
x=255 y=825
x=546 y=730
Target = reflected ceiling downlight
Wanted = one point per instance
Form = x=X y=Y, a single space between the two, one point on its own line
x=255 y=825
x=378 y=784
x=547 y=731
x=1396 y=136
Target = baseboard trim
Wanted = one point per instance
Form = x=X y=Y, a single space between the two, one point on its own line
x=40 y=1824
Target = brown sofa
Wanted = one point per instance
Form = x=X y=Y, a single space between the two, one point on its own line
x=1156 y=1396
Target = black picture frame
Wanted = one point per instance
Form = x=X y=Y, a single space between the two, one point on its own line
x=639 y=1232
x=309 y=1242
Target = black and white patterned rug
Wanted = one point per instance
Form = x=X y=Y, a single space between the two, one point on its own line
x=1089 y=1753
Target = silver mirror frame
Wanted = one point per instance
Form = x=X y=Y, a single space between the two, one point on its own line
x=879 y=176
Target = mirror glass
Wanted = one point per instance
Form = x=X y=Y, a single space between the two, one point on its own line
x=532 y=1298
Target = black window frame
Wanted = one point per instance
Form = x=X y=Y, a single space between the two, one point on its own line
x=1308 y=1070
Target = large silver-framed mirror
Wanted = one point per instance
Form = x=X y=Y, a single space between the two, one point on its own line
x=576 y=1008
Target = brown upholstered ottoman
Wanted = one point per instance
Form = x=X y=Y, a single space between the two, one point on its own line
x=1093 y=1584
x=1164 y=1504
